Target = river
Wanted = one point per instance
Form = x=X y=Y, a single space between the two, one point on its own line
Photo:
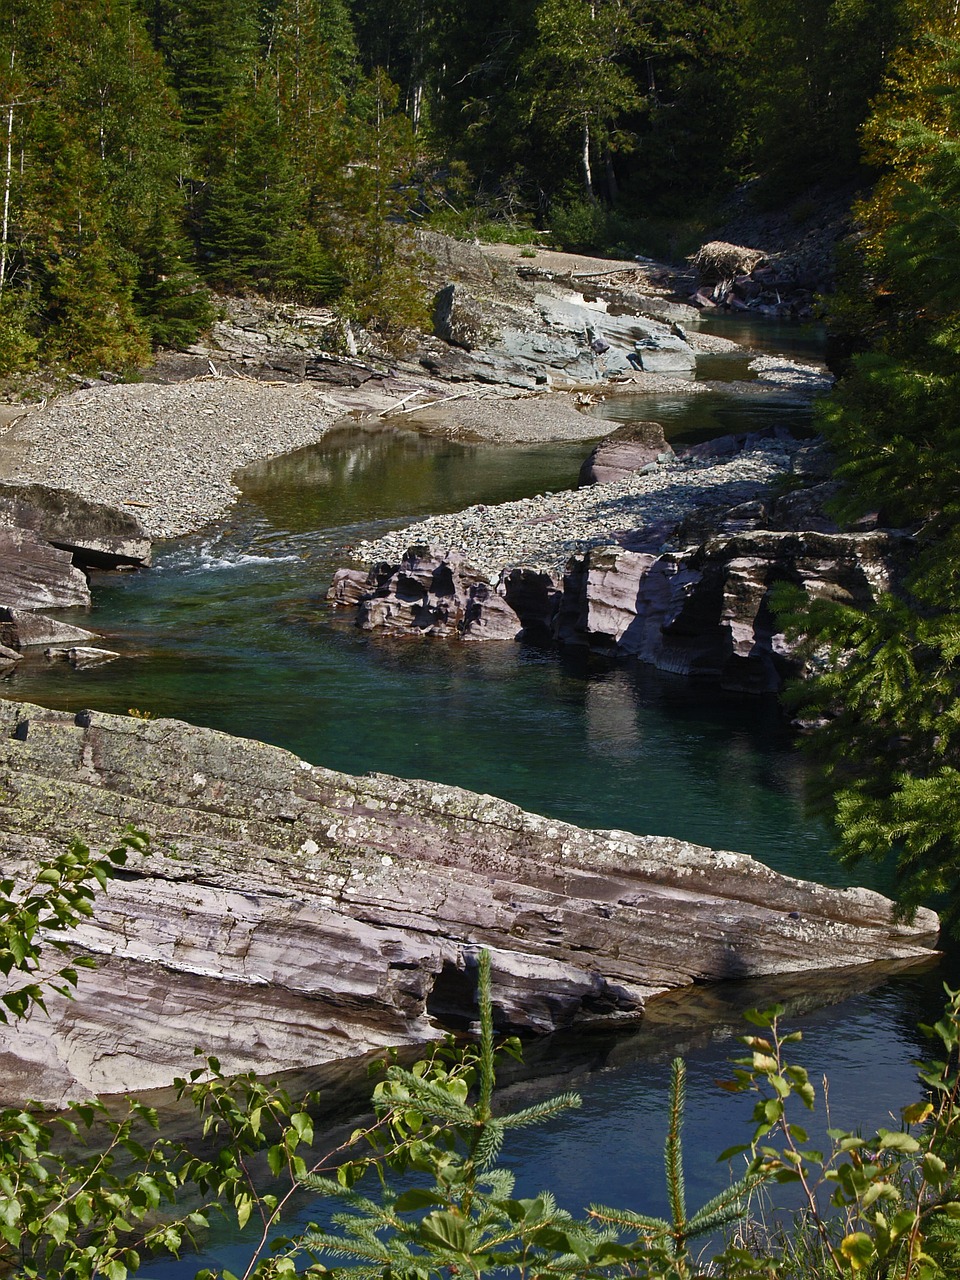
x=230 y=629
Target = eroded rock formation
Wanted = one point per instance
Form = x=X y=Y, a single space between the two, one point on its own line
x=431 y=592
x=703 y=611
x=48 y=538
x=706 y=612
x=289 y=914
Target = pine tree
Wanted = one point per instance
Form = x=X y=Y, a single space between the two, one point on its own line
x=814 y=67
x=891 y=690
x=91 y=193
x=210 y=47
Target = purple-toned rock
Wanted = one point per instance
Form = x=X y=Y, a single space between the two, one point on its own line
x=96 y=535
x=718 y=448
x=8 y=656
x=706 y=612
x=290 y=914
x=624 y=452
x=349 y=586
x=432 y=592
x=534 y=596
x=20 y=628
x=488 y=616
x=35 y=575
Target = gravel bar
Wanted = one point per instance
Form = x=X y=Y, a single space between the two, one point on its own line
x=543 y=532
x=166 y=452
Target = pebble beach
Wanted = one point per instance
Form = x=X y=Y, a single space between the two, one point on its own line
x=544 y=531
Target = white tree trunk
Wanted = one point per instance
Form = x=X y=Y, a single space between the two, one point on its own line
x=587 y=170
x=7 y=182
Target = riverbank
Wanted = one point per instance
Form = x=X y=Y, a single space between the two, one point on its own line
x=335 y=914
x=167 y=448
x=543 y=532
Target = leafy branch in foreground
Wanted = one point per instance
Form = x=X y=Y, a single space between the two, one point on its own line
x=884 y=694
x=462 y=1216
x=86 y=1194
x=79 y=1191
x=36 y=916
x=894 y=1197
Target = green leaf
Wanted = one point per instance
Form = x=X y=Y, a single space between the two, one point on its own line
x=244 y=1207
x=447 y=1230
x=896 y=1141
x=417 y=1198
x=858 y=1249
x=58 y=1224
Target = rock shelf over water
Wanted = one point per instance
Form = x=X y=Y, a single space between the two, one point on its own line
x=290 y=914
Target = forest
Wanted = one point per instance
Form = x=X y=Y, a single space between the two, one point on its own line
x=153 y=149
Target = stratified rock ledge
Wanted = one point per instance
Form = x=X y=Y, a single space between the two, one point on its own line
x=290 y=915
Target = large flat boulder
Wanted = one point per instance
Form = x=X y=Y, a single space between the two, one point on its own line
x=96 y=535
x=290 y=914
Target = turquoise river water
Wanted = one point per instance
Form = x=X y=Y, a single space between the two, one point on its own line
x=230 y=629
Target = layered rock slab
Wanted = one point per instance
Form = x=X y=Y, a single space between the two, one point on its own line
x=290 y=914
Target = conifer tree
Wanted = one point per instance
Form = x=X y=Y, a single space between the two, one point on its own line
x=90 y=190
x=813 y=68
x=891 y=691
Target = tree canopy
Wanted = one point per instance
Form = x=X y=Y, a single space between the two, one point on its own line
x=151 y=146
x=890 y=690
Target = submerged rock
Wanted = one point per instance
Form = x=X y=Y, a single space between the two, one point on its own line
x=290 y=914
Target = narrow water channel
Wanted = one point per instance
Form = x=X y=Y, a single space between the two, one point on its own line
x=231 y=630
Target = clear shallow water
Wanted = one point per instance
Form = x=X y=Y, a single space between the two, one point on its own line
x=688 y=419
x=230 y=630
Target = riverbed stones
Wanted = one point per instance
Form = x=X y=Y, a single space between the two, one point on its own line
x=291 y=914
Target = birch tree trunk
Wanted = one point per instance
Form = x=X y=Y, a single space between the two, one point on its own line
x=585 y=160
x=7 y=183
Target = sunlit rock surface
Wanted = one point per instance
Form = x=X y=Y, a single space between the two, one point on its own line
x=289 y=914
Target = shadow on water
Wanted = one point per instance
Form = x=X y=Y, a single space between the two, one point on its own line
x=854 y=1026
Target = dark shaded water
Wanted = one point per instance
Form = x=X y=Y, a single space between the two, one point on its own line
x=231 y=630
